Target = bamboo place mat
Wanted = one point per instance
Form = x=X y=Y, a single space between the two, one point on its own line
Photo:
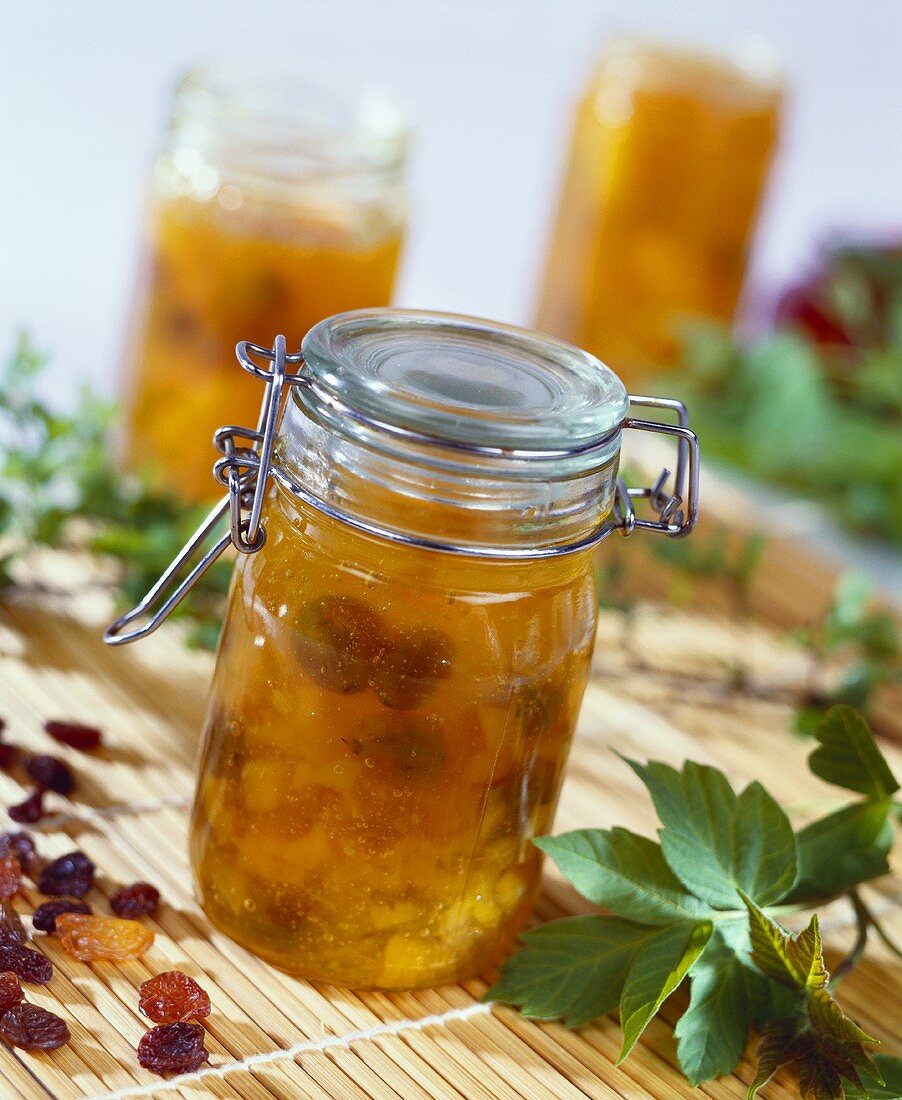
x=663 y=686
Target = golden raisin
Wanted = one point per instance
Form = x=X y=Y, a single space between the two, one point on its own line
x=173 y=996
x=91 y=937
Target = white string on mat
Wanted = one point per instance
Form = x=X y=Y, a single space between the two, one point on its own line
x=91 y=814
x=308 y=1046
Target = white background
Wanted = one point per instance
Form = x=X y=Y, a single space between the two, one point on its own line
x=490 y=85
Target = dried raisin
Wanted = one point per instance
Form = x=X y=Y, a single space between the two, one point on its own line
x=44 y=917
x=411 y=667
x=12 y=930
x=33 y=1028
x=8 y=754
x=173 y=996
x=74 y=734
x=20 y=845
x=173 y=1048
x=89 y=938
x=71 y=875
x=337 y=640
x=31 y=966
x=10 y=990
x=30 y=809
x=10 y=876
x=51 y=773
x=402 y=743
x=139 y=900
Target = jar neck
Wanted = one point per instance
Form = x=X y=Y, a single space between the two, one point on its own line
x=444 y=499
x=283 y=132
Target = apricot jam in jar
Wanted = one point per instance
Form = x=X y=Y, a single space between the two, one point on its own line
x=408 y=639
x=275 y=202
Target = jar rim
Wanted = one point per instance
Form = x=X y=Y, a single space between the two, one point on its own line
x=462 y=382
x=288 y=119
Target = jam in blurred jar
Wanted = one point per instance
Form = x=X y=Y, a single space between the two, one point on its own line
x=668 y=161
x=408 y=637
x=274 y=203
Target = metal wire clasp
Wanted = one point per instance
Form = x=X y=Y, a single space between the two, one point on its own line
x=244 y=471
x=247 y=462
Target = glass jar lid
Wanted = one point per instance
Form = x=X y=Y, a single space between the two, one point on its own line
x=462 y=382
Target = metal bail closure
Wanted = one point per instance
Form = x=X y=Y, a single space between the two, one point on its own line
x=246 y=466
x=244 y=471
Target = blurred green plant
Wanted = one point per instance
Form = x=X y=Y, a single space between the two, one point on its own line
x=61 y=487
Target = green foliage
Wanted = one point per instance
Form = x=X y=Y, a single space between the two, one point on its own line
x=701 y=905
x=776 y=409
x=60 y=487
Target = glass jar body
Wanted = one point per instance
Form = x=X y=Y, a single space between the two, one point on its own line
x=238 y=242
x=667 y=165
x=386 y=733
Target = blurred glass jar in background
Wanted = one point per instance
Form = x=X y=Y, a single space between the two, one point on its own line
x=667 y=164
x=273 y=204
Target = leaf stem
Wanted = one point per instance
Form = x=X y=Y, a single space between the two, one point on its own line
x=863 y=919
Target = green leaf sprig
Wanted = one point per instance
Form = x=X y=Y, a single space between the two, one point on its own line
x=703 y=902
x=61 y=487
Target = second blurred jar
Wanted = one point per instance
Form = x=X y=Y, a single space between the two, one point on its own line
x=274 y=203
x=667 y=164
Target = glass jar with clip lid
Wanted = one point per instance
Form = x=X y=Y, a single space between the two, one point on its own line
x=408 y=636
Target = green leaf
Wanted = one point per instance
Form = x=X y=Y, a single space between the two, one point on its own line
x=828 y=1019
x=571 y=969
x=883 y=1083
x=849 y=757
x=659 y=967
x=623 y=872
x=795 y=961
x=843 y=849
x=726 y=996
x=718 y=844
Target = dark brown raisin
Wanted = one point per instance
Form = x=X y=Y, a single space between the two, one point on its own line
x=10 y=876
x=337 y=640
x=12 y=930
x=71 y=875
x=173 y=1048
x=20 y=845
x=74 y=734
x=402 y=743
x=44 y=917
x=8 y=754
x=51 y=773
x=33 y=1028
x=30 y=810
x=173 y=996
x=139 y=900
x=31 y=966
x=10 y=991
x=411 y=666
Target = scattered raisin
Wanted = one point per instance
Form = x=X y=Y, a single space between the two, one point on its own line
x=12 y=930
x=74 y=734
x=33 y=1028
x=10 y=991
x=72 y=875
x=411 y=666
x=173 y=996
x=51 y=773
x=20 y=845
x=10 y=876
x=30 y=809
x=408 y=743
x=173 y=1048
x=8 y=754
x=44 y=917
x=89 y=937
x=139 y=900
x=337 y=640
x=31 y=966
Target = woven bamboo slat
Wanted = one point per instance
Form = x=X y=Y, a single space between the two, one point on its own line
x=662 y=687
